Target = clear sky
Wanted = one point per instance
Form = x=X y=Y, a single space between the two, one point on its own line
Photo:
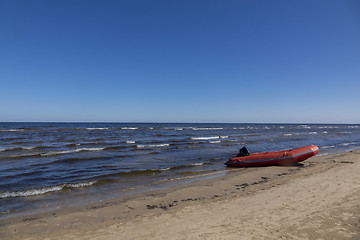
x=180 y=61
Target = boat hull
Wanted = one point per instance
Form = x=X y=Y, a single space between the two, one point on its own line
x=285 y=157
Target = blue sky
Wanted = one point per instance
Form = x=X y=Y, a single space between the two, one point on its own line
x=180 y=61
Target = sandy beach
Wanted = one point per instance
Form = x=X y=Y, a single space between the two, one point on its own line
x=318 y=199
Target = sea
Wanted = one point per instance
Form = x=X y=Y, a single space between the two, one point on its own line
x=47 y=166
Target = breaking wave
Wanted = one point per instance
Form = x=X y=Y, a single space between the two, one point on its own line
x=208 y=138
x=97 y=128
x=205 y=138
x=71 y=151
x=11 y=130
x=204 y=129
x=16 y=149
x=175 y=128
x=332 y=146
x=41 y=191
x=304 y=126
x=350 y=143
x=197 y=164
x=153 y=145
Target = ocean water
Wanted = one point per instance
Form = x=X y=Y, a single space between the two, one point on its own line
x=52 y=165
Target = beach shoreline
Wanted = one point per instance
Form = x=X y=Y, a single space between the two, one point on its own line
x=318 y=198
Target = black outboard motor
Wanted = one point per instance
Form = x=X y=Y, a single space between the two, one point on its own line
x=243 y=152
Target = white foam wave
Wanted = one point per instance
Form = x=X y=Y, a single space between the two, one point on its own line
x=16 y=148
x=197 y=164
x=11 y=130
x=97 y=128
x=153 y=145
x=32 y=192
x=332 y=146
x=41 y=191
x=175 y=128
x=28 y=148
x=304 y=126
x=204 y=129
x=162 y=169
x=129 y=128
x=287 y=134
x=130 y=142
x=215 y=141
x=80 y=185
x=312 y=133
x=224 y=136
x=350 y=143
x=325 y=132
x=72 y=151
x=205 y=138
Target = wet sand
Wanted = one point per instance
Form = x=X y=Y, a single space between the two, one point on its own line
x=319 y=199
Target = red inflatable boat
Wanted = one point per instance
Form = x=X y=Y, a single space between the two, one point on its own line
x=285 y=157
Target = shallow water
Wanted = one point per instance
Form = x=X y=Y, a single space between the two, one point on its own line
x=47 y=165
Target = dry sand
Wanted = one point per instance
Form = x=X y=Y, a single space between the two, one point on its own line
x=319 y=199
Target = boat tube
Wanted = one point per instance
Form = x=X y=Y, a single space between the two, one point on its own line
x=285 y=157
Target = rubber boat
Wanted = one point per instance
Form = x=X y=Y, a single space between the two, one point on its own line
x=285 y=157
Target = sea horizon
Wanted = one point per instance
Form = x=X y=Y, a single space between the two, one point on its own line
x=186 y=122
